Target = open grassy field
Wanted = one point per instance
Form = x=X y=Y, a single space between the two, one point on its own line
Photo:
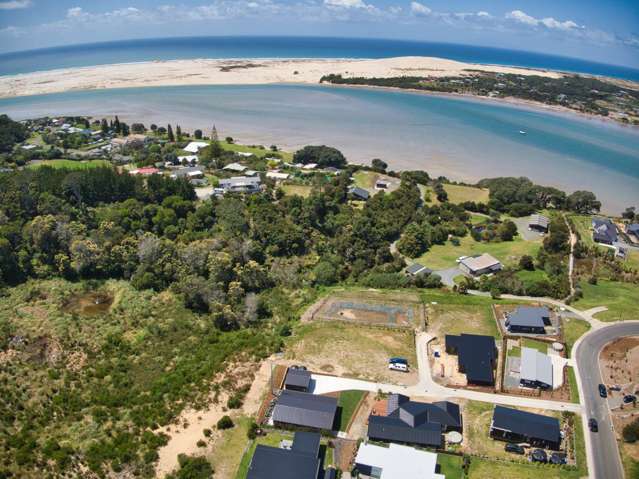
x=461 y=194
x=300 y=190
x=229 y=448
x=583 y=225
x=573 y=330
x=456 y=319
x=508 y=252
x=70 y=164
x=619 y=298
x=350 y=350
x=259 y=152
x=531 y=277
x=348 y=402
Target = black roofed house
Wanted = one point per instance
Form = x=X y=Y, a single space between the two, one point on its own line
x=528 y=320
x=410 y=422
x=514 y=425
x=297 y=380
x=476 y=355
x=604 y=231
x=301 y=461
x=358 y=193
x=416 y=269
x=300 y=409
x=633 y=229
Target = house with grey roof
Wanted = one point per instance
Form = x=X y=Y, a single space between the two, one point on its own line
x=358 y=193
x=304 y=410
x=633 y=229
x=539 y=223
x=411 y=422
x=528 y=320
x=604 y=231
x=479 y=265
x=417 y=269
x=240 y=184
x=299 y=461
x=536 y=369
x=297 y=380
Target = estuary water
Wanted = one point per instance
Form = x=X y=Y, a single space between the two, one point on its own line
x=462 y=139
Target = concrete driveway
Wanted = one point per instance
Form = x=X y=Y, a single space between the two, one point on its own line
x=524 y=232
x=448 y=275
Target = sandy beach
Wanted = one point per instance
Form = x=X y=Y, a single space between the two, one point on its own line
x=236 y=72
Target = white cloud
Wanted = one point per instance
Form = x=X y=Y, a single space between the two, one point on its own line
x=557 y=25
x=483 y=14
x=15 y=4
x=345 y=3
x=419 y=9
x=521 y=17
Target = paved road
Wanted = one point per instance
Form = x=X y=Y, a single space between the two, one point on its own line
x=604 y=461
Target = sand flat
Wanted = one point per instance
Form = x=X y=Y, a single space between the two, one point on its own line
x=236 y=72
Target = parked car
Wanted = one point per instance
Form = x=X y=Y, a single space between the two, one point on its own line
x=628 y=398
x=558 y=458
x=398 y=361
x=398 y=367
x=602 y=391
x=539 y=455
x=615 y=387
x=460 y=259
x=514 y=448
x=592 y=425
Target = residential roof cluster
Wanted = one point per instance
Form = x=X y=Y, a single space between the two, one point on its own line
x=604 y=231
x=396 y=461
x=476 y=354
x=411 y=422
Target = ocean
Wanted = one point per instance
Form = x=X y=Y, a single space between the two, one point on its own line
x=288 y=47
x=462 y=139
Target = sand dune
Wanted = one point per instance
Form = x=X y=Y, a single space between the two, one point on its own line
x=237 y=72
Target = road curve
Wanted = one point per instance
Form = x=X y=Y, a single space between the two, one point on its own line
x=603 y=453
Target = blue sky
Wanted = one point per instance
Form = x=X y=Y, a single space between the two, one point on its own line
x=604 y=30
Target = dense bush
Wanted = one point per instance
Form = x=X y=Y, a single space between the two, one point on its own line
x=225 y=422
x=324 y=156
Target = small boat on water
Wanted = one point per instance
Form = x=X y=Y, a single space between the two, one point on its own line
x=522 y=132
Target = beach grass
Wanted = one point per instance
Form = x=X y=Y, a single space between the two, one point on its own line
x=70 y=164
x=508 y=252
x=460 y=194
x=619 y=298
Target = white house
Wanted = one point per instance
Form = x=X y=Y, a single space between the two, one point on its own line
x=234 y=167
x=276 y=175
x=195 y=146
x=190 y=159
x=396 y=462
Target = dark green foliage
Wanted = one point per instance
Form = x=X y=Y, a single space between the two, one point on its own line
x=379 y=165
x=526 y=262
x=324 y=156
x=630 y=431
x=11 y=132
x=252 y=431
x=192 y=467
x=225 y=422
x=583 y=202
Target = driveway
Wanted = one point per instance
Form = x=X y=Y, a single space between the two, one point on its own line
x=524 y=232
x=448 y=275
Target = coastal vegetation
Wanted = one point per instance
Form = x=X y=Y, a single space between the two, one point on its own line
x=579 y=93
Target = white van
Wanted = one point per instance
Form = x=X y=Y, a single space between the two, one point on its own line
x=398 y=367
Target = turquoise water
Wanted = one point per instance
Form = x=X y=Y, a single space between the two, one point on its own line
x=461 y=139
x=289 y=47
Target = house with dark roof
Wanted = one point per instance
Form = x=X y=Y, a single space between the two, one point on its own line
x=297 y=380
x=411 y=422
x=300 y=461
x=513 y=425
x=477 y=357
x=304 y=410
x=604 y=231
x=539 y=223
x=358 y=193
x=633 y=229
x=528 y=320
x=416 y=269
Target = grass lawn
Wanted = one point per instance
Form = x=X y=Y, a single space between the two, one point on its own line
x=456 y=319
x=348 y=401
x=583 y=225
x=273 y=438
x=351 y=350
x=70 y=164
x=259 y=152
x=531 y=277
x=450 y=466
x=365 y=179
x=229 y=448
x=573 y=330
x=460 y=194
x=508 y=252
x=630 y=465
x=619 y=298
x=531 y=343
x=487 y=469
x=300 y=190
x=572 y=383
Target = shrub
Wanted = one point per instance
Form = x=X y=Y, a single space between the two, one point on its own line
x=225 y=422
x=252 y=431
x=201 y=443
x=630 y=432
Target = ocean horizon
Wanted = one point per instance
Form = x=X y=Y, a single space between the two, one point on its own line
x=226 y=47
x=462 y=139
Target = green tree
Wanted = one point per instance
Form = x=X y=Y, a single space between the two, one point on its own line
x=583 y=202
x=169 y=132
x=197 y=134
x=379 y=165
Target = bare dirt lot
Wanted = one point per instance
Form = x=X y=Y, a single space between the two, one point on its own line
x=398 y=310
x=354 y=351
